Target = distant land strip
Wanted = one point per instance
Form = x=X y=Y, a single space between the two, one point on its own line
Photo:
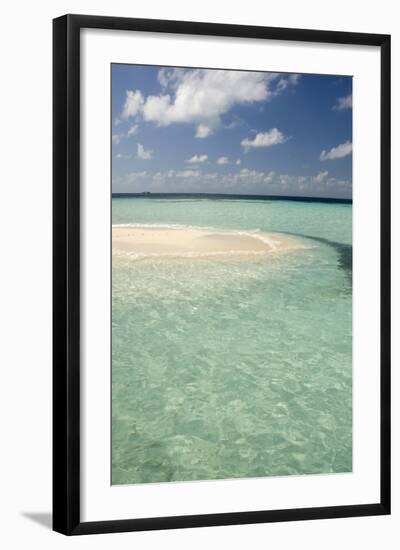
x=228 y=196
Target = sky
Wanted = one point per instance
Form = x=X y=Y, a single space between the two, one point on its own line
x=178 y=130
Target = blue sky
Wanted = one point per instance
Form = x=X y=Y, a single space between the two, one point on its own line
x=213 y=131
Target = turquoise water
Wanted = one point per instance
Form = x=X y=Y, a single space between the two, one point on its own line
x=224 y=368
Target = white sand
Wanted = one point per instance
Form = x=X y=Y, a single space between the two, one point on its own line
x=149 y=241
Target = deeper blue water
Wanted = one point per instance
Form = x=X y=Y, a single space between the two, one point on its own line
x=227 y=369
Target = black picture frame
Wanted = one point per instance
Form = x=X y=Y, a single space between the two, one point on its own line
x=66 y=273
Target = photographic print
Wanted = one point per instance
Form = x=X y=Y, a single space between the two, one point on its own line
x=231 y=274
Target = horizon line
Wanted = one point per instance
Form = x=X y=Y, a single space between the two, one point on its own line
x=148 y=194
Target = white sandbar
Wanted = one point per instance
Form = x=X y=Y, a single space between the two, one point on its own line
x=152 y=241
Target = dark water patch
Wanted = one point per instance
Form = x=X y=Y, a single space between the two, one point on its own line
x=344 y=251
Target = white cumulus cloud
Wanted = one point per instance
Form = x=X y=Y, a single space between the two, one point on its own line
x=264 y=139
x=133 y=130
x=133 y=103
x=188 y=174
x=203 y=131
x=321 y=176
x=338 y=152
x=223 y=160
x=142 y=153
x=116 y=138
x=201 y=96
x=343 y=103
x=238 y=162
x=286 y=81
x=196 y=159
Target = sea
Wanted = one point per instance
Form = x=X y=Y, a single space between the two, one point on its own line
x=227 y=369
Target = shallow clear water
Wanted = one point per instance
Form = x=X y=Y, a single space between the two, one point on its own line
x=224 y=369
